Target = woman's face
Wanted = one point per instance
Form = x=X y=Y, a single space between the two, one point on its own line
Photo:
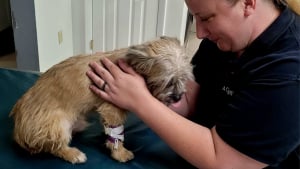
x=222 y=22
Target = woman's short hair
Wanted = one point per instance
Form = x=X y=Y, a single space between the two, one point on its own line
x=280 y=4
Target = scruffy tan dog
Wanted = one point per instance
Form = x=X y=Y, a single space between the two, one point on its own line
x=56 y=105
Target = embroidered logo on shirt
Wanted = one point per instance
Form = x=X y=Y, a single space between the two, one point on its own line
x=227 y=90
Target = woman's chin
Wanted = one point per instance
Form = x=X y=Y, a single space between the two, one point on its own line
x=224 y=46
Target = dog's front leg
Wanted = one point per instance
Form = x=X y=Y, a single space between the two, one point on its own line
x=113 y=119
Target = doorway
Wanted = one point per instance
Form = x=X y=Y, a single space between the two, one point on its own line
x=7 y=47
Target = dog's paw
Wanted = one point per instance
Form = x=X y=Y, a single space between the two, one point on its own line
x=72 y=155
x=78 y=157
x=122 y=155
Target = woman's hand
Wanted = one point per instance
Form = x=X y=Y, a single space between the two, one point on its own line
x=121 y=85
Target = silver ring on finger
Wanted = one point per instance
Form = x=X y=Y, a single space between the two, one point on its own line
x=103 y=86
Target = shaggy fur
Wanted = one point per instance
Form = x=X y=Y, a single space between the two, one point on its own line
x=56 y=105
x=294 y=5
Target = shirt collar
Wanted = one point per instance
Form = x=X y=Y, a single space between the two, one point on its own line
x=265 y=41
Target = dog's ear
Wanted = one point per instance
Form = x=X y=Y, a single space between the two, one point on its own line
x=139 y=59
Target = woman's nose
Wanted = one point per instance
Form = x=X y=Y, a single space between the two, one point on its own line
x=201 y=31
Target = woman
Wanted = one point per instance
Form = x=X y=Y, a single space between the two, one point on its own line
x=243 y=108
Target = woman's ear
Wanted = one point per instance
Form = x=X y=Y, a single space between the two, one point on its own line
x=250 y=6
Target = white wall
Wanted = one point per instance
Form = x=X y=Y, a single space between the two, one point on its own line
x=120 y=23
x=52 y=17
x=112 y=24
x=82 y=16
x=109 y=23
x=172 y=18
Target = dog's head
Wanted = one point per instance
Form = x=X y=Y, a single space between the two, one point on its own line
x=164 y=65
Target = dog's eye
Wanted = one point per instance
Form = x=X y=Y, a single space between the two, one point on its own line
x=170 y=84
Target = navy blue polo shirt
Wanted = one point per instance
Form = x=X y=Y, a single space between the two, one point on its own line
x=254 y=100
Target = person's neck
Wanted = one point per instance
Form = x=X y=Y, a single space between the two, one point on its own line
x=262 y=19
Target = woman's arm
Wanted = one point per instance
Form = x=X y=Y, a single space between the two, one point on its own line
x=199 y=145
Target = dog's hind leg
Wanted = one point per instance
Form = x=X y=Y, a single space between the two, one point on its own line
x=113 y=119
x=60 y=146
